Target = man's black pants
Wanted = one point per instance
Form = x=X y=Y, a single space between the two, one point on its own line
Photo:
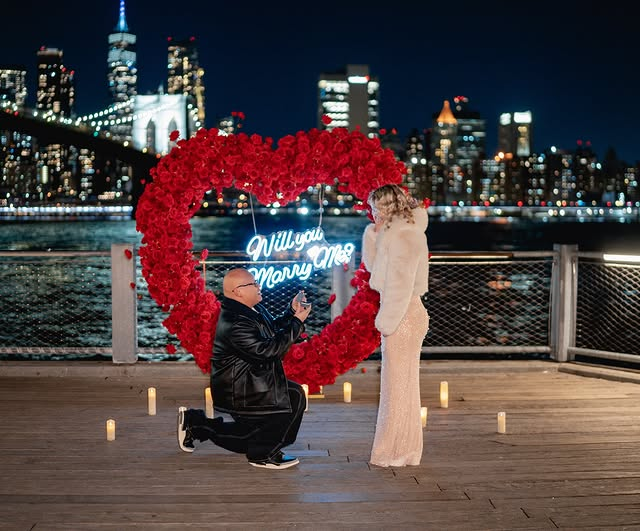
x=258 y=437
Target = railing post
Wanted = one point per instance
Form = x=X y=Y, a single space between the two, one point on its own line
x=564 y=284
x=341 y=287
x=124 y=316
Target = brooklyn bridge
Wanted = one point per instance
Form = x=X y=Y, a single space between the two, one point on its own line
x=48 y=130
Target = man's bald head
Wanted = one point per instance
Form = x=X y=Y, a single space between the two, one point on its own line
x=238 y=284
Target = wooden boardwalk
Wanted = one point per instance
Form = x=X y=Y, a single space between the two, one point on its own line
x=570 y=459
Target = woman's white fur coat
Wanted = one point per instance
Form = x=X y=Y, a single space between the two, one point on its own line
x=397 y=257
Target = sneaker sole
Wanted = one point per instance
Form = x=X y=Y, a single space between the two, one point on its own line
x=272 y=466
x=182 y=433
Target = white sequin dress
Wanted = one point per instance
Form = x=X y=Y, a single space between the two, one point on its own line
x=397 y=258
x=398 y=438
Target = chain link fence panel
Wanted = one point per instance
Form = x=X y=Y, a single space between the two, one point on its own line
x=55 y=305
x=608 y=307
x=484 y=303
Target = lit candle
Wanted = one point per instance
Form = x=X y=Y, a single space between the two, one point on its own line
x=502 y=422
x=111 y=430
x=306 y=395
x=444 y=394
x=151 y=395
x=208 y=401
x=423 y=416
x=346 y=390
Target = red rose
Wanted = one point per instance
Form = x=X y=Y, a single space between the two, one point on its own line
x=128 y=254
x=132 y=285
x=326 y=120
x=426 y=202
x=171 y=349
x=204 y=254
x=383 y=132
x=332 y=299
x=174 y=135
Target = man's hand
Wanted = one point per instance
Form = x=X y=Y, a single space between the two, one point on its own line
x=299 y=301
x=303 y=312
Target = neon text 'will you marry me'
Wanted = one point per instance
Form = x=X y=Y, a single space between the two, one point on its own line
x=321 y=254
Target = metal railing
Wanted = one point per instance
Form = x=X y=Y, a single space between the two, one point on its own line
x=490 y=302
x=560 y=304
x=606 y=295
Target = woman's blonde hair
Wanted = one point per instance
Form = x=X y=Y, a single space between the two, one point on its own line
x=392 y=201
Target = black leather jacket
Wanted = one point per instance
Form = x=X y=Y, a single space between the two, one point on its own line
x=247 y=376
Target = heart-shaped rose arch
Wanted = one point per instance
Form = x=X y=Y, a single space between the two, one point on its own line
x=350 y=160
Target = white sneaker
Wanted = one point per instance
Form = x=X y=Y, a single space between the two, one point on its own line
x=185 y=440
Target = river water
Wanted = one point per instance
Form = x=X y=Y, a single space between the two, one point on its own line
x=232 y=233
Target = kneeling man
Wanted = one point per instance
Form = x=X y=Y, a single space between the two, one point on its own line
x=248 y=380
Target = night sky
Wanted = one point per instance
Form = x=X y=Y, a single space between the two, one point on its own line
x=577 y=69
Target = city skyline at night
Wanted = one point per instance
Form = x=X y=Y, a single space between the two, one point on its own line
x=578 y=83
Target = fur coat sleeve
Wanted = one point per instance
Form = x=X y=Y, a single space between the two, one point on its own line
x=369 y=246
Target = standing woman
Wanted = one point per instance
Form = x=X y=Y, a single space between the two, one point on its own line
x=395 y=252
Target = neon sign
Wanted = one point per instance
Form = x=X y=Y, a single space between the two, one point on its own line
x=319 y=255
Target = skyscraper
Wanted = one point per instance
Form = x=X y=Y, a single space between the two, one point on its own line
x=13 y=85
x=56 y=90
x=471 y=134
x=122 y=75
x=55 y=95
x=514 y=133
x=18 y=177
x=443 y=137
x=458 y=139
x=415 y=155
x=350 y=98
x=184 y=76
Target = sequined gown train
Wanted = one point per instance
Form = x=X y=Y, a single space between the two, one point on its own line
x=398 y=437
